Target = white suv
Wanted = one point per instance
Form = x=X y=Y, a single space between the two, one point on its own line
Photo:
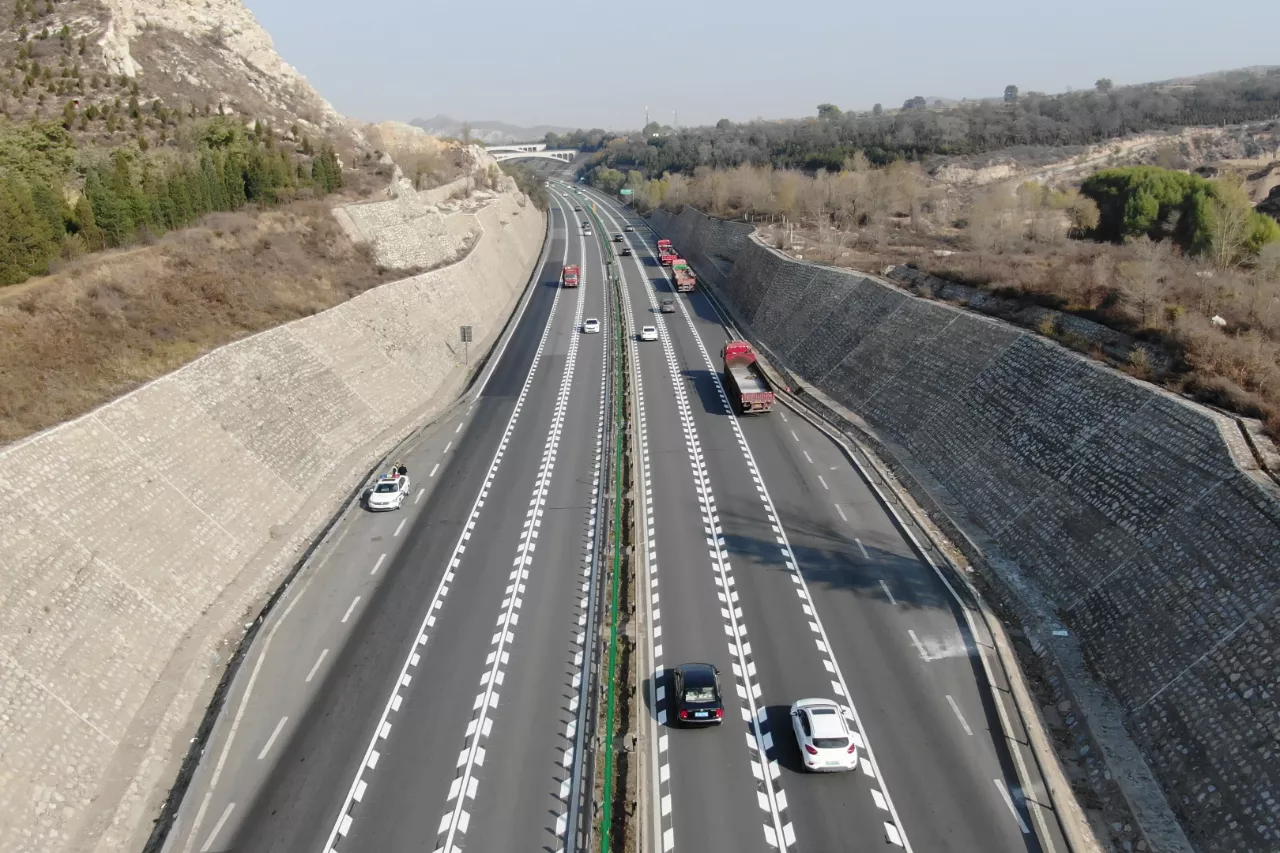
x=590 y=326
x=649 y=333
x=823 y=735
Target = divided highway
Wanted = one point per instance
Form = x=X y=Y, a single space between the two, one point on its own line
x=769 y=557
x=425 y=694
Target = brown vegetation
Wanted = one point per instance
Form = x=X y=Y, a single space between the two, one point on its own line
x=107 y=323
x=1016 y=241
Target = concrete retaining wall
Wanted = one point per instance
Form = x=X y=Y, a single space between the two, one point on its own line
x=1141 y=521
x=135 y=540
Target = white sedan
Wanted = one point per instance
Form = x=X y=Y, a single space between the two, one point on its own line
x=388 y=493
x=591 y=326
x=649 y=333
x=823 y=735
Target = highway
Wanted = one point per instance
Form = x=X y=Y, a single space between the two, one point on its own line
x=423 y=693
x=772 y=559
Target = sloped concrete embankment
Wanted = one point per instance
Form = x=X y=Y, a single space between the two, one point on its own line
x=1140 y=521
x=135 y=541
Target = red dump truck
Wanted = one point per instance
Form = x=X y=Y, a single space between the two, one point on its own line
x=569 y=276
x=683 y=274
x=744 y=380
x=666 y=254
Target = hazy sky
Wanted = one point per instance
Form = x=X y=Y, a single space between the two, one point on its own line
x=599 y=64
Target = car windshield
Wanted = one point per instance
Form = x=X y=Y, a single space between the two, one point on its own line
x=700 y=694
x=385 y=487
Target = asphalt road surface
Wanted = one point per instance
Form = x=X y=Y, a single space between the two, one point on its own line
x=825 y=598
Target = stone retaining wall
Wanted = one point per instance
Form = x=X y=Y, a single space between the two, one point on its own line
x=1139 y=520
x=136 y=540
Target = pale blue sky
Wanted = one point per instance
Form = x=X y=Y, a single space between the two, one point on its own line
x=599 y=64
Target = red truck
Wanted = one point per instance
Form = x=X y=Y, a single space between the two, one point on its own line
x=683 y=274
x=569 y=276
x=666 y=254
x=744 y=380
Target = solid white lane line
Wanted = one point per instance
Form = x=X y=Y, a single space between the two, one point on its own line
x=863 y=549
x=807 y=456
x=959 y=716
x=378 y=564
x=823 y=482
x=889 y=594
x=315 y=666
x=400 y=527
x=351 y=607
x=421 y=492
x=434 y=470
x=1008 y=801
x=217 y=827
x=839 y=510
x=275 y=733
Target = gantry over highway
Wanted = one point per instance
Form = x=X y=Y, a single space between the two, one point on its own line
x=435 y=688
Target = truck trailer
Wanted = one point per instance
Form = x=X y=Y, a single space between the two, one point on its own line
x=569 y=276
x=683 y=275
x=666 y=254
x=744 y=381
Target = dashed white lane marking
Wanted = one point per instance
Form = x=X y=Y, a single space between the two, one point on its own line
x=315 y=666
x=839 y=510
x=771 y=797
x=783 y=415
x=342 y=825
x=434 y=470
x=1008 y=801
x=421 y=492
x=959 y=716
x=915 y=641
x=793 y=435
x=892 y=835
x=446 y=447
x=807 y=456
x=887 y=593
x=458 y=430
x=838 y=684
x=350 y=607
x=275 y=733
x=400 y=527
x=217 y=827
x=823 y=482
x=863 y=549
x=378 y=564
x=455 y=821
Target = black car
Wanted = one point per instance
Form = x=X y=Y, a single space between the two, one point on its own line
x=577 y=207
x=695 y=690
x=617 y=238
x=625 y=251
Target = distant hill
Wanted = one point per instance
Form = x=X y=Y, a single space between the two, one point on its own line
x=488 y=132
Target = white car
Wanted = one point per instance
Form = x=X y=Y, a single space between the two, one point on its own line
x=823 y=735
x=591 y=326
x=388 y=493
x=649 y=333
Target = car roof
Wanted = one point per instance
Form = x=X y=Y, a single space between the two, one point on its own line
x=699 y=673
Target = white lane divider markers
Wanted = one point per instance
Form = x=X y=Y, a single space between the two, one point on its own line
x=400 y=527
x=434 y=469
x=458 y=430
x=446 y=448
x=315 y=666
x=217 y=827
x=841 y=511
x=915 y=641
x=378 y=564
x=823 y=482
x=959 y=716
x=350 y=607
x=342 y=823
x=455 y=821
x=421 y=492
x=275 y=733
x=1008 y=801
x=887 y=593
x=865 y=555
x=807 y=456
x=771 y=797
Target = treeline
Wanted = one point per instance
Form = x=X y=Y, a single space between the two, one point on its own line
x=583 y=140
x=916 y=132
x=530 y=182
x=129 y=195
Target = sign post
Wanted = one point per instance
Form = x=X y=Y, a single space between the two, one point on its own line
x=466 y=350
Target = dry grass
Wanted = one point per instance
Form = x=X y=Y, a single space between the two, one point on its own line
x=110 y=322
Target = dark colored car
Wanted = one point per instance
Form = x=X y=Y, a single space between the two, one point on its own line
x=577 y=207
x=617 y=238
x=625 y=252
x=695 y=689
x=668 y=306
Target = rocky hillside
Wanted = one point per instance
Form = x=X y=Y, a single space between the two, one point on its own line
x=117 y=70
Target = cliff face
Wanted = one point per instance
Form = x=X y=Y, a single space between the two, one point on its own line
x=208 y=51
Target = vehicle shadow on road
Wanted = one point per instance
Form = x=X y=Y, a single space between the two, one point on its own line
x=704 y=384
x=784 y=750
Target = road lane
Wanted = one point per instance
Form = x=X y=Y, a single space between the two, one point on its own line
x=951 y=777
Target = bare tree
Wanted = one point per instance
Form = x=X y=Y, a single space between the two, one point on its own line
x=1229 y=224
x=1142 y=280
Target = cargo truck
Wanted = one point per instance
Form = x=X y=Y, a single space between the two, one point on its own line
x=666 y=254
x=683 y=274
x=744 y=381
x=569 y=276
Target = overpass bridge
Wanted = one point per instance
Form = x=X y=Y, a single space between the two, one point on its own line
x=530 y=149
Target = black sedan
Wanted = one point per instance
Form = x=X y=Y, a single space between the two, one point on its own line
x=624 y=252
x=696 y=694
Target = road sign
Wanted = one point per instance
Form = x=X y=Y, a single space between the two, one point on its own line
x=466 y=334
x=466 y=341
x=624 y=192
